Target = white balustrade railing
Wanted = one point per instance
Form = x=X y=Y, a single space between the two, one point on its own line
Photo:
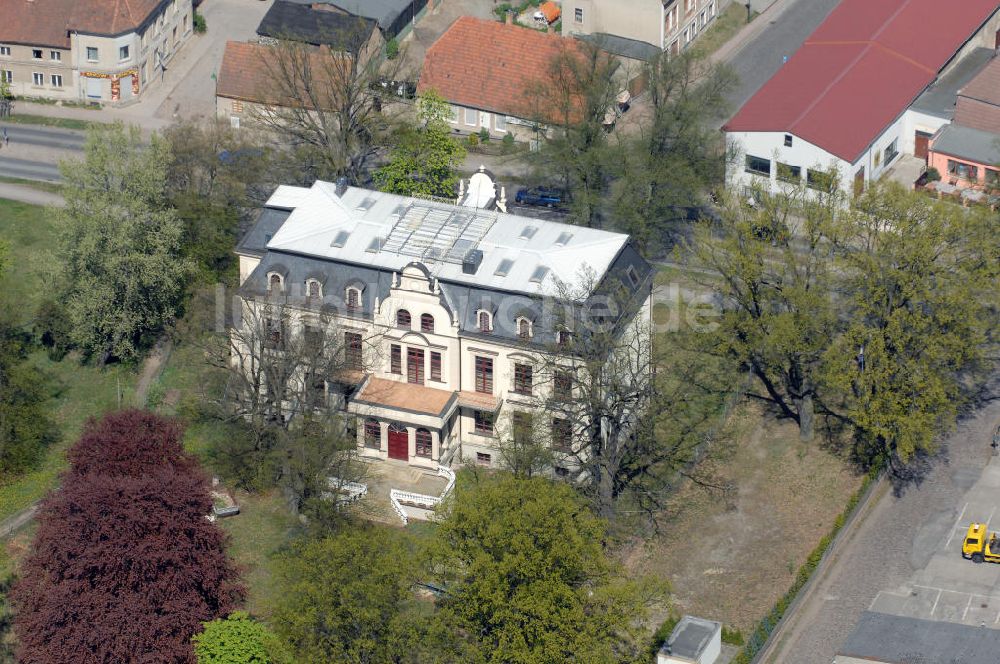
x=398 y=497
x=346 y=491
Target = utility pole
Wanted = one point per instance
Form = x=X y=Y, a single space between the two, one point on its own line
x=749 y=10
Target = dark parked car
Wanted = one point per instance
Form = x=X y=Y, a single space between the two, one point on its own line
x=546 y=196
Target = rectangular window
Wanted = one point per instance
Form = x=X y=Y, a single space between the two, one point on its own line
x=499 y=122
x=352 y=350
x=471 y=117
x=415 y=366
x=562 y=434
x=562 y=385
x=522 y=379
x=425 y=443
x=435 y=365
x=758 y=166
x=483 y=421
x=992 y=177
x=38 y=79
x=274 y=331
x=373 y=434
x=484 y=459
x=92 y=54
x=520 y=427
x=4 y=50
x=788 y=140
x=36 y=54
x=395 y=359
x=963 y=170
x=123 y=52
x=578 y=15
x=55 y=55
x=454 y=115
x=312 y=338
x=890 y=152
x=8 y=76
x=819 y=180
x=484 y=375
x=787 y=173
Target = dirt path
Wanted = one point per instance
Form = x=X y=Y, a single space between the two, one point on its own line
x=151 y=369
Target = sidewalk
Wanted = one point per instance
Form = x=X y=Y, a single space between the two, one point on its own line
x=30 y=195
x=751 y=30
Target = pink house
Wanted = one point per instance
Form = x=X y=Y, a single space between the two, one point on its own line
x=967 y=152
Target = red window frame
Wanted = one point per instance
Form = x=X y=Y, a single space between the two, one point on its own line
x=426 y=323
x=395 y=359
x=522 y=378
x=484 y=374
x=562 y=434
x=435 y=365
x=352 y=350
x=415 y=366
x=484 y=459
x=425 y=443
x=403 y=319
x=523 y=330
x=562 y=385
x=353 y=299
x=373 y=433
x=485 y=322
x=483 y=421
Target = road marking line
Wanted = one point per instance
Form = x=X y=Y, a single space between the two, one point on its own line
x=958 y=524
x=872 y=605
x=990 y=519
x=934 y=608
x=967 y=607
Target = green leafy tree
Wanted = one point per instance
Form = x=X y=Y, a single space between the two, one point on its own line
x=923 y=285
x=342 y=596
x=122 y=274
x=425 y=159
x=777 y=283
x=237 y=639
x=528 y=580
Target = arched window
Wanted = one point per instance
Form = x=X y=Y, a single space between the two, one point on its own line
x=403 y=319
x=353 y=298
x=485 y=322
x=373 y=433
x=274 y=284
x=523 y=329
x=426 y=323
x=425 y=445
x=313 y=288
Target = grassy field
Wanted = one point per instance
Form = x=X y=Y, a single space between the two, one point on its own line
x=725 y=27
x=46 y=121
x=77 y=391
x=729 y=554
x=51 y=187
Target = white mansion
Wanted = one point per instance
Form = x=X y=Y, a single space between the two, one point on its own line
x=456 y=301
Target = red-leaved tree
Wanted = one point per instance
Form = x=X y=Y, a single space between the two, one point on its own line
x=125 y=566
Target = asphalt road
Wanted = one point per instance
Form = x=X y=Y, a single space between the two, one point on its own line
x=34 y=151
x=761 y=57
x=28 y=170
x=49 y=137
x=905 y=547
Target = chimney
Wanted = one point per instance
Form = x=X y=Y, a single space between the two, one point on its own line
x=341 y=186
x=510 y=17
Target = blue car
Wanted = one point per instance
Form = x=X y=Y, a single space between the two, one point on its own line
x=546 y=196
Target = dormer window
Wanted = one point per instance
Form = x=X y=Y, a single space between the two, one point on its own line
x=426 y=323
x=314 y=289
x=352 y=297
x=524 y=331
x=563 y=338
x=275 y=283
x=403 y=319
x=485 y=322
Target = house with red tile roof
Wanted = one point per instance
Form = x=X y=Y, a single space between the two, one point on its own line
x=844 y=102
x=485 y=70
x=106 y=51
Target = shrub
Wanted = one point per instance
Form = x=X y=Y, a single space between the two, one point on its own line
x=508 y=143
x=473 y=140
x=501 y=10
x=933 y=174
x=392 y=49
x=52 y=329
x=732 y=636
x=484 y=135
x=199 y=23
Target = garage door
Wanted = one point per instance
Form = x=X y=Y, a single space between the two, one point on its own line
x=94 y=88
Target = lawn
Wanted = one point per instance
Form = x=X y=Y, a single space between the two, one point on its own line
x=51 y=187
x=730 y=553
x=46 y=121
x=725 y=27
x=77 y=391
x=30 y=233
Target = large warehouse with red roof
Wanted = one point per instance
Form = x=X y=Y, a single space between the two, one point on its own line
x=842 y=102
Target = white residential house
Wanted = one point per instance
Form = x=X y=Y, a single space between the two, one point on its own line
x=858 y=94
x=456 y=300
x=669 y=25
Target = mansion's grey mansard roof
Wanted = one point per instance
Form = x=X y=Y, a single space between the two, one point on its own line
x=481 y=259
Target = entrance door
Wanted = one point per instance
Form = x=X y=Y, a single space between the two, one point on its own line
x=415 y=365
x=126 y=87
x=996 y=41
x=399 y=443
x=920 y=142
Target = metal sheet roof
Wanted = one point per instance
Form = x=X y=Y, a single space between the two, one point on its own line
x=970 y=144
x=440 y=235
x=881 y=637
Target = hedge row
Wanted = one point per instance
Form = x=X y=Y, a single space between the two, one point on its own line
x=757 y=639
